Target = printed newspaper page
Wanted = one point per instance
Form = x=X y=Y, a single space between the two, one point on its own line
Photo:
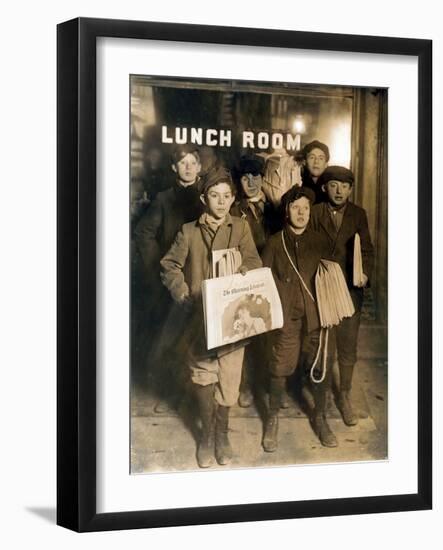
x=240 y=306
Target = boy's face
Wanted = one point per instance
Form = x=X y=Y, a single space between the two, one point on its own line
x=218 y=200
x=338 y=192
x=187 y=168
x=251 y=185
x=298 y=213
x=316 y=162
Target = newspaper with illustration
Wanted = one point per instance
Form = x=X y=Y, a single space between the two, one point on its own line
x=240 y=306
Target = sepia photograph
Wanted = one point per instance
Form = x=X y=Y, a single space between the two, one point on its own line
x=258 y=274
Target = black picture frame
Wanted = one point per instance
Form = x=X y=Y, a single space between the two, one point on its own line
x=76 y=264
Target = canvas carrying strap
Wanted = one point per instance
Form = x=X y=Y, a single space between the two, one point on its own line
x=321 y=349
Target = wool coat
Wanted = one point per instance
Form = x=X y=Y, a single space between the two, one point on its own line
x=259 y=219
x=162 y=220
x=189 y=262
x=306 y=251
x=341 y=242
x=320 y=195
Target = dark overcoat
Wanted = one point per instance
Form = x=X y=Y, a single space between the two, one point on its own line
x=306 y=253
x=341 y=243
x=320 y=195
x=162 y=220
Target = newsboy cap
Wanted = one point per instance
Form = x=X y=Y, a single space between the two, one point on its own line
x=250 y=165
x=316 y=145
x=337 y=173
x=215 y=176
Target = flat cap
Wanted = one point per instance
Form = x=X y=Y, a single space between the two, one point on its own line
x=337 y=173
x=249 y=164
x=215 y=176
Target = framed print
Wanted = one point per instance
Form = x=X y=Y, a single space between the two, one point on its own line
x=244 y=274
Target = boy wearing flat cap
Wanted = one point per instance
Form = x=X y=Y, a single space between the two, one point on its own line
x=252 y=204
x=293 y=255
x=316 y=156
x=340 y=221
x=215 y=374
x=257 y=211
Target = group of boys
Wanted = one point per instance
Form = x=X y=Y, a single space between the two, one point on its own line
x=199 y=215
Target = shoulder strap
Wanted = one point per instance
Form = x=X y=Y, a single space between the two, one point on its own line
x=294 y=267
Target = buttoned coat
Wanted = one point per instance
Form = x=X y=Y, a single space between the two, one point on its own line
x=257 y=219
x=162 y=220
x=341 y=243
x=189 y=262
x=306 y=253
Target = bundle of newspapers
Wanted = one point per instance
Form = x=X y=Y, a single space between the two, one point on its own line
x=358 y=263
x=240 y=306
x=333 y=299
x=225 y=262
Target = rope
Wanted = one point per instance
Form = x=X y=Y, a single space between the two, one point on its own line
x=325 y=357
x=319 y=349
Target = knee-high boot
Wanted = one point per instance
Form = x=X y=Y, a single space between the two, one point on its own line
x=319 y=422
x=223 y=449
x=344 y=404
x=270 y=436
x=206 y=405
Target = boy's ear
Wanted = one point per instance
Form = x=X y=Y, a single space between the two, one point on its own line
x=174 y=168
x=202 y=198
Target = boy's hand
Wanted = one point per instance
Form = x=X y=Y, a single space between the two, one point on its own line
x=364 y=281
x=243 y=270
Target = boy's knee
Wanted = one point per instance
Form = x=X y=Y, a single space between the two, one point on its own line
x=203 y=378
x=226 y=398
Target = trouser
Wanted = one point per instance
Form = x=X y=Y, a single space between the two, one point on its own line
x=254 y=364
x=292 y=347
x=346 y=342
x=224 y=372
x=168 y=352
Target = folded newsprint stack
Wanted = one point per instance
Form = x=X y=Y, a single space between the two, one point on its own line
x=240 y=306
x=333 y=298
x=225 y=262
x=358 y=263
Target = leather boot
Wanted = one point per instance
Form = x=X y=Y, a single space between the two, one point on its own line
x=246 y=397
x=223 y=449
x=323 y=431
x=270 y=436
x=206 y=403
x=344 y=404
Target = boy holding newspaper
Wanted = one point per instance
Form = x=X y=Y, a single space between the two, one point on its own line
x=294 y=255
x=345 y=226
x=215 y=373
